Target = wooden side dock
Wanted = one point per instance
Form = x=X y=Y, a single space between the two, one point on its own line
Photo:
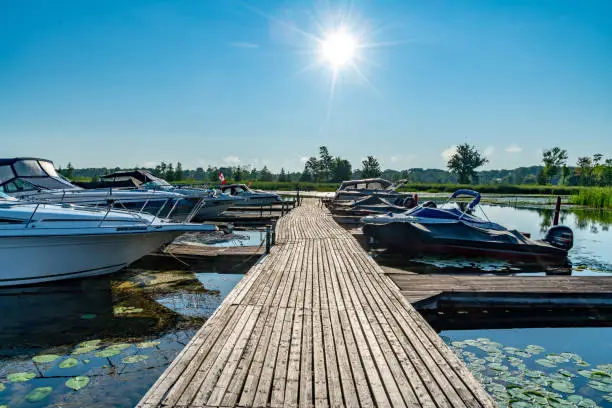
x=316 y=323
x=528 y=291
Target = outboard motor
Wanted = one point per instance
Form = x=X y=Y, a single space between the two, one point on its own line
x=561 y=237
x=429 y=204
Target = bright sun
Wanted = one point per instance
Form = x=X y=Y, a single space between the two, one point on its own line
x=339 y=48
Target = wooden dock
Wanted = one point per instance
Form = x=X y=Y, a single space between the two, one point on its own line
x=528 y=291
x=317 y=323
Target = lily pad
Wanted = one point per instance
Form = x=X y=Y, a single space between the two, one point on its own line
x=546 y=363
x=498 y=367
x=2 y=387
x=458 y=344
x=557 y=359
x=147 y=344
x=69 y=363
x=107 y=352
x=76 y=383
x=563 y=386
x=119 y=346
x=135 y=358
x=119 y=310
x=88 y=316
x=600 y=386
x=20 y=377
x=567 y=373
x=38 y=394
x=89 y=343
x=605 y=367
x=83 y=350
x=534 y=349
x=533 y=373
x=45 y=358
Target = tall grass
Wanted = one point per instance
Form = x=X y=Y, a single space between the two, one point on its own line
x=595 y=197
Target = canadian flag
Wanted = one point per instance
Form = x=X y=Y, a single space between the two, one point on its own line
x=222 y=178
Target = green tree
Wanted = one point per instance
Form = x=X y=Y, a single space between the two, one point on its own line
x=265 y=174
x=178 y=173
x=282 y=177
x=69 y=172
x=341 y=170
x=585 y=169
x=313 y=167
x=199 y=174
x=370 y=168
x=464 y=162
x=169 y=175
x=305 y=176
x=553 y=160
x=325 y=163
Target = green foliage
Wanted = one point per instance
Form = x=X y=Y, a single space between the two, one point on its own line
x=465 y=161
x=265 y=174
x=595 y=197
x=553 y=160
x=370 y=168
x=340 y=170
x=282 y=177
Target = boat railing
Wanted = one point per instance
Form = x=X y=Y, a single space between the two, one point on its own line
x=111 y=206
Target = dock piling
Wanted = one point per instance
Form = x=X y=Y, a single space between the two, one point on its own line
x=268 y=239
x=557 y=211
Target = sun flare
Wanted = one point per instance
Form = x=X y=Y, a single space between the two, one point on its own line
x=338 y=48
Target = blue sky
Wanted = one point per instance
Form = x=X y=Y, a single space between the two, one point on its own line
x=125 y=83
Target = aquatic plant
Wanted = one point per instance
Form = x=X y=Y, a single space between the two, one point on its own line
x=119 y=310
x=45 y=358
x=69 y=363
x=147 y=344
x=135 y=358
x=595 y=197
x=20 y=377
x=2 y=387
x=38 y=394
x=505 y=374
x=76 y=383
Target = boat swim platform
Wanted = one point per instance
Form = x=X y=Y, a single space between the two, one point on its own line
x=428 y=291
x=316 y=323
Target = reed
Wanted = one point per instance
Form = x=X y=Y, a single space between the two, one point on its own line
x=594 y=197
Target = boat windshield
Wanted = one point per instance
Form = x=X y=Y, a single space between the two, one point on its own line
x=6 y=173
x=156 y=184
x=28 y=168
x=48 y=168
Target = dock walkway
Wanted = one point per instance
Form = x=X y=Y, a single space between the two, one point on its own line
x=317 y=323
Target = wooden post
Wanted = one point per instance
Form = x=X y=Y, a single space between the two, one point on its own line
x=283 y=208
x=557 y=211
x=297 y=189
x=273 y=234
x=268 y=238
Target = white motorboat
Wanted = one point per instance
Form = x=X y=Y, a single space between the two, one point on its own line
x=36 y=179
x=214 y=202
x=41 y=242
x=353 y=190
x=250 y=197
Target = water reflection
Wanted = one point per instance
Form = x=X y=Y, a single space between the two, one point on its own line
x=113 y=333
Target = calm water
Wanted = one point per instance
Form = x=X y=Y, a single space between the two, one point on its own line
x=591 y=254
x=540 y=367
x=112 y=337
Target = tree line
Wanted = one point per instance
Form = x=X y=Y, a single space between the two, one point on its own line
x=462 y=168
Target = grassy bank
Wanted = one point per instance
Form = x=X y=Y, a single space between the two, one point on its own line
x=594 y=197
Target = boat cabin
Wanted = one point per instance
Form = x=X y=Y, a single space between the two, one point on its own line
x=366 y=184
x=235 y=189
x=23 y=174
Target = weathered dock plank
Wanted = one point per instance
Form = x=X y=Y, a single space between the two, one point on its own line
x=505 y=289
x=316 y=323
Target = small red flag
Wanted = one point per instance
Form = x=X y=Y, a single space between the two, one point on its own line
x=222 y=178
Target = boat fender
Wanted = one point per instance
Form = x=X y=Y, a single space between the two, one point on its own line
x=561 y=237
x=429 y=204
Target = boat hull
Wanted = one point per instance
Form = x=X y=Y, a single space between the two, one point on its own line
x=406 y=238
x=256 y=201
x=212 y=209
x=35 y=259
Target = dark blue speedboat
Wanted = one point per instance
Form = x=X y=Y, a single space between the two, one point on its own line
x=427 y=229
